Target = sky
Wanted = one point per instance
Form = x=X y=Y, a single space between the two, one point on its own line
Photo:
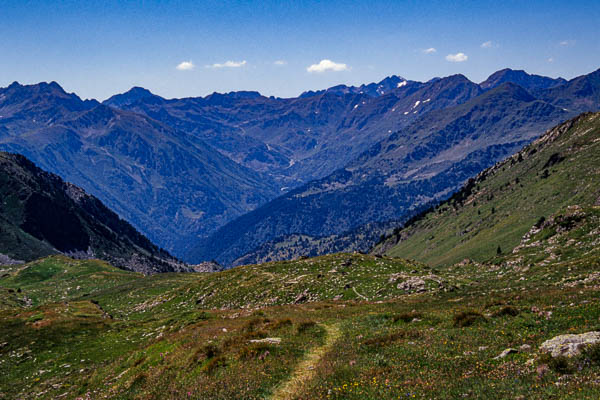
x=283 y=48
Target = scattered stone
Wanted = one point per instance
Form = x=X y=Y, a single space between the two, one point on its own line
x=569 y=345
x=530 y=362
x=302 y=297
x=505 y=353
x=269 y=340
x=542 y=370
x=525 y=347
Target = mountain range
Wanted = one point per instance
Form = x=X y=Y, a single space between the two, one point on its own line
x=166 y=183
x=217 y=177
x=422 y=163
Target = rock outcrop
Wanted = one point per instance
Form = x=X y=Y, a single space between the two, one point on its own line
x=569 y=345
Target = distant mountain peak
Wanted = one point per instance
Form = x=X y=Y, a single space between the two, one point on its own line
x=373 y=89
x=41 y=87
x=521 y=78
x=131 y=96
x=139 y=91
x=245 y=94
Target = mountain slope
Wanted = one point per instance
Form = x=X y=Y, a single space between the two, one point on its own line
x=580 y=94
x=494 y=211
x=170 y=185
x=40 y=214
x=427 y=161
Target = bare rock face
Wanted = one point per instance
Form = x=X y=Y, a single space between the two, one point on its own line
x=414 y=284
x=6 y=260
x=569 y=345
x=207 y=266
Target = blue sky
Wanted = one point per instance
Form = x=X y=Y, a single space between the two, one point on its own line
x=98 y=48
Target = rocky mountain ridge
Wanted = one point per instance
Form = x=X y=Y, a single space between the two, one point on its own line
x=425 y=162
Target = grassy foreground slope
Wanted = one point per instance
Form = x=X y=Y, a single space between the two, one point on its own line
x=136 y=337
x=493 y=211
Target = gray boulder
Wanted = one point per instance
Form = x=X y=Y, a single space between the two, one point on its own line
x=569 y=345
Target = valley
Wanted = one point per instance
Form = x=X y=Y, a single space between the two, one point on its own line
x=259 y=170
x=468 y=320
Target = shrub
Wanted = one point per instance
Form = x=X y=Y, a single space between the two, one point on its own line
x=304 y=326
x=255 y=334
x=213 y=364
x=253 y=351
x=406 y=317
x=467 y=318
x=493 y=303
x=592 y=354
x=540 y=222
x=560 y=364
x=139 y=361
x=386 y=339
x=207 y=351
x=282 y=323
x=507 y=310
x=253 y=324
x=36 y=317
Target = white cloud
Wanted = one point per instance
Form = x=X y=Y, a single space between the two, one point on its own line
x=327 y=65
x=228 y=64
x=551 y=60
x=458 y=57
x=487 y=45
x=185 y=66
x=566 y=43
x=280 y=62
x=430 y=50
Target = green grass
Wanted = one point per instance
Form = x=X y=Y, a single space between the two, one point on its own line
x=131 y=336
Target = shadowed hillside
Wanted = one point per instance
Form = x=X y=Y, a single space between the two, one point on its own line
x=40 y=214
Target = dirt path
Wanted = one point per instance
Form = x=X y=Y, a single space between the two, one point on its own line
x=305 y=371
